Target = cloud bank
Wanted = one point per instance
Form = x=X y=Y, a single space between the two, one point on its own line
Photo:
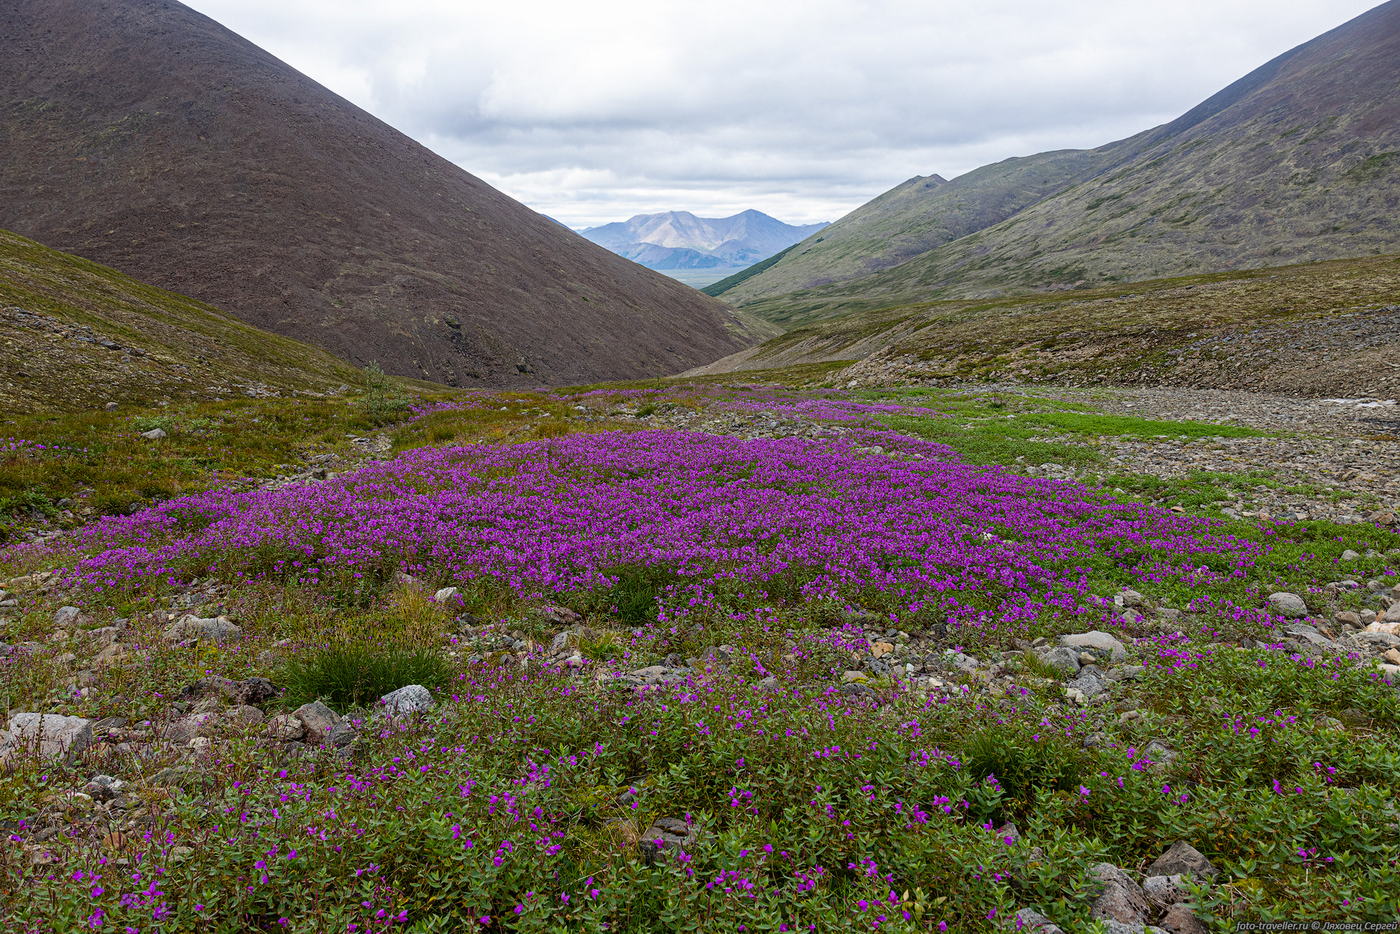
x=591 y=112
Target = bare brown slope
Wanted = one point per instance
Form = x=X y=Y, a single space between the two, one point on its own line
x=145 y=136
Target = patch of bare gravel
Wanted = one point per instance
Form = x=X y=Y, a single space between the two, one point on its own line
x=1335 y=459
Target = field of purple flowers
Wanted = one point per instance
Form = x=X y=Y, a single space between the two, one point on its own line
x=800 y=672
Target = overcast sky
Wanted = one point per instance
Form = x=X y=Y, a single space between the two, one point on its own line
x=594 y=110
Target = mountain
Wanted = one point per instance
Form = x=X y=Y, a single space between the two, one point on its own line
x=680 y=240
x=1297 y=161
x=74 y=334
x=145 y=136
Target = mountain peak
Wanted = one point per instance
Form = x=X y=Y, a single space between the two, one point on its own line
x=145 y=136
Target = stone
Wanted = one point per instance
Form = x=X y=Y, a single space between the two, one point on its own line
x=1288 y=605
x=67 y=616
x=666 y=833
x=655 y=674
x=1350 y=555
x=1063 y=659
x=318 y=720
x=1391 y=615
x=1119 y=897
x=444 y=594
x=409 y=699
x=1098 y=642
x=155 y=434
x=246 y=714
x=1180 y=919
x=1128 y=597
x=285 y=728
x=1087 y=686
x=1181 y=858
x=1164 y=891
x=881 y=649
x=1028 y=919
x=218 y=629
x=51 y=735
x=104 y=788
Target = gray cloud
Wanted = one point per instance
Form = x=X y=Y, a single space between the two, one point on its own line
x=594 y=111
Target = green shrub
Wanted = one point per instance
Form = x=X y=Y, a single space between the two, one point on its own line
x=355 y=675
x=1023 y=764
x=383 y=401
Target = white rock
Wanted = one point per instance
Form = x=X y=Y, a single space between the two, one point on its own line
x=410 y=698
x=155 y=434
x=445 y=594
x=52 y=735
x=1288 y=604
x=1099 y=641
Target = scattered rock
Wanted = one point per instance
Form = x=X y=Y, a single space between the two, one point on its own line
x=408 y=699
x=1098 y=642
x=217 y=629
x=1119 y=897
x=66 y=616
x=318 y=720
x=1289 y=605
x=1182 y=859
x=155 y=434
x=445 y=594
x=51 y=735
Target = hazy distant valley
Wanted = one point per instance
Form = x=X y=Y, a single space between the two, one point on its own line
x=698 y=250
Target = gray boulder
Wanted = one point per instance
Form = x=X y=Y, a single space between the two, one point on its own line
x=1182 y=859
x=1289 y=605
x=218 y=629
x=410 y=698
x=319 y=721
x=155 y=434
x=66 y=616
x=1097 y=641
x=1119 y=898
x=51 y=735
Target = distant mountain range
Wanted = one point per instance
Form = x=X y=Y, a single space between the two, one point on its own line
x=1297 y=161
x=676 y=240
x=145 y=136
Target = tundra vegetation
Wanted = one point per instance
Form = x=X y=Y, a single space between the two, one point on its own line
x=690 y=655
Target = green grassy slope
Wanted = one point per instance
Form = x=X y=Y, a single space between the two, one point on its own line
x=74 y=334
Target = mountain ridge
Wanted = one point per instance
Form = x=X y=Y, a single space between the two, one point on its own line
x=683 y=240
x=145 y=136
x=1257 y=174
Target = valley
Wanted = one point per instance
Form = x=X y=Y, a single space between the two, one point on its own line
x=1018 y=552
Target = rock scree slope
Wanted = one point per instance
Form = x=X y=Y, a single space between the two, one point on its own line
x=145 y=136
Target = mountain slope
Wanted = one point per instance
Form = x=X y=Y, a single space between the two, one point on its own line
x=145 y=136
x=670 y=239
x=1330 y=328
x=1297 y=161
x=74 y=335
